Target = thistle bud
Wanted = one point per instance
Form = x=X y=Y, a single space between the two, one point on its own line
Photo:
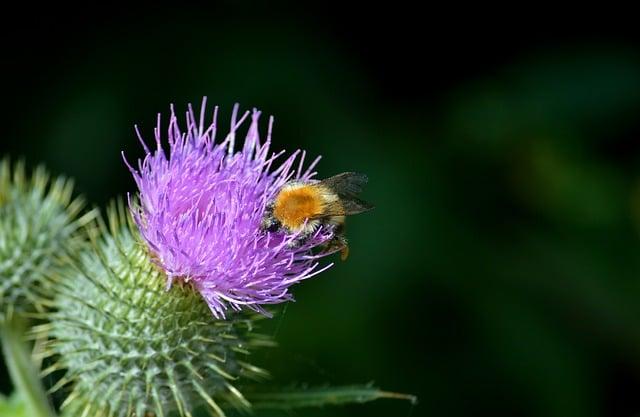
x=39 y=227
x=133 y=348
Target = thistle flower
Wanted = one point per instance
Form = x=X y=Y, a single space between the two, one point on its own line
x=130 y=348
x=200 y=207
x=39 y=226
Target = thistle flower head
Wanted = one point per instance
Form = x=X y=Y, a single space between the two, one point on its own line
x=130 y=348
x=200 y=207
x=39 y=226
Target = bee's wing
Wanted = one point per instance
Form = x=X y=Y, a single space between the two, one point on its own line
x=353 y=205
x=346 y=184
x=345 y=207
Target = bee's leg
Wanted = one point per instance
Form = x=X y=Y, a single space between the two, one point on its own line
x=338 y=243
x=344 y=251
x=341 y=240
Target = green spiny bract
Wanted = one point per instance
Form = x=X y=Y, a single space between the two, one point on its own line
x=133 y=348
x=39 y=226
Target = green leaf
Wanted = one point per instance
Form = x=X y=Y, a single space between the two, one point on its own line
x=22 y=369
x=12 y=406
x=288 y=399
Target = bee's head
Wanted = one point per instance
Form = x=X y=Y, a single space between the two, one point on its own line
x=269 y=222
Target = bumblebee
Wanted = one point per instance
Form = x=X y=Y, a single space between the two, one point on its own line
x=300 y=207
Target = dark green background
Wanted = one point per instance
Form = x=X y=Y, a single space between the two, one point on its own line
x=499 y=274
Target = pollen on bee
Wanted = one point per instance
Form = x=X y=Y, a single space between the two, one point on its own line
x=296 y=204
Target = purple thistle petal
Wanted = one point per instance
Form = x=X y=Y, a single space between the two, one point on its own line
x=200 y=208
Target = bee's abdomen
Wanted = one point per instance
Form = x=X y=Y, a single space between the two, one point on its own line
x=296 y=204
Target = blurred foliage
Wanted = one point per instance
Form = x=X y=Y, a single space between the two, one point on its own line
x=12 y=406
x=498 y=275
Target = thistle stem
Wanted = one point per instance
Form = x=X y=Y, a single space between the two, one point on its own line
x=21 y=368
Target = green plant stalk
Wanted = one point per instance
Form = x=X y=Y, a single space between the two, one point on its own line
x=21 y=369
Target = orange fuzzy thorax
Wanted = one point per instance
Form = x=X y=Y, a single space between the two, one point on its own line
x=296 y=204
